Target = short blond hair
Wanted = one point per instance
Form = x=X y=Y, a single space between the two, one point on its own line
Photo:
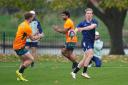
x=88 y=9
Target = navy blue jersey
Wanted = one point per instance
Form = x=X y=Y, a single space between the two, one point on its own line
x=88 y=35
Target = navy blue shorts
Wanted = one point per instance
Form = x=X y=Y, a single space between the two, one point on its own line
x=97 y=61
x=87 y=45
x=32 y=44
x=21 y=51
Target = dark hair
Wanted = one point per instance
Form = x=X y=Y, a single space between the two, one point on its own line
x=66 y=13
x=28 y=15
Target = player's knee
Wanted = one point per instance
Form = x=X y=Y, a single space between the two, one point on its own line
x=90 y=56
x=31 y=59
x=63 y=53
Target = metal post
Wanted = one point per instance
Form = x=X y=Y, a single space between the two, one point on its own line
x=3 y=42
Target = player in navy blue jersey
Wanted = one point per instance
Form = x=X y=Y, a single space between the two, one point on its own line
x=87 y=27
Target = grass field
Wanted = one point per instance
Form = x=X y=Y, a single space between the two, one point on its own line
x=56 y=71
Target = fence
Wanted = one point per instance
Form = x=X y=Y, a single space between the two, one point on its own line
x=48 y=42
x=6 y=42
x=2 y=42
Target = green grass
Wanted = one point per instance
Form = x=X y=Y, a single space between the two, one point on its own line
x=56 y=71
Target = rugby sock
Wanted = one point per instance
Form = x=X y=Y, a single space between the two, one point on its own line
x=85 y=69
x=76 y=70
x=90 y=62
x=32 y=64
x=21 y=70
x=74 y=65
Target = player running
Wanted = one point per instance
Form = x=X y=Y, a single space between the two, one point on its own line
x=24 y=31
x=87 y=27
x=71 y=39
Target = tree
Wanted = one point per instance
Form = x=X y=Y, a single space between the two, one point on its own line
x=111 y=12
x=66 y=4
x=24 y=5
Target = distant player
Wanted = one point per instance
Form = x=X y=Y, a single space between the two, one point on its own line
x=24 y=31
x=98 y=46
x=36 y=29
x=87 y=27
x=71 y=38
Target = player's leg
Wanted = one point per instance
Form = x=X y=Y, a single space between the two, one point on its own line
x=19 y=74
x=34 y=46
x=77 y=68
x=22 y=61
x=65 y=51
x=34 y=52
x=68 y=53
x=72 y=58
x=21 y=52
x=26 y=59
x=33 y=49
x=89 y=55
x=81 y=63
x=22 y=67
x=90 y=63
x=28 y=46
x=97 y=61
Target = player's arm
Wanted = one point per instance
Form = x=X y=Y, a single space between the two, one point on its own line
x=39 y=27
x=28 y=31
x=60 y=30
x=41 y=34
x=90 y=27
